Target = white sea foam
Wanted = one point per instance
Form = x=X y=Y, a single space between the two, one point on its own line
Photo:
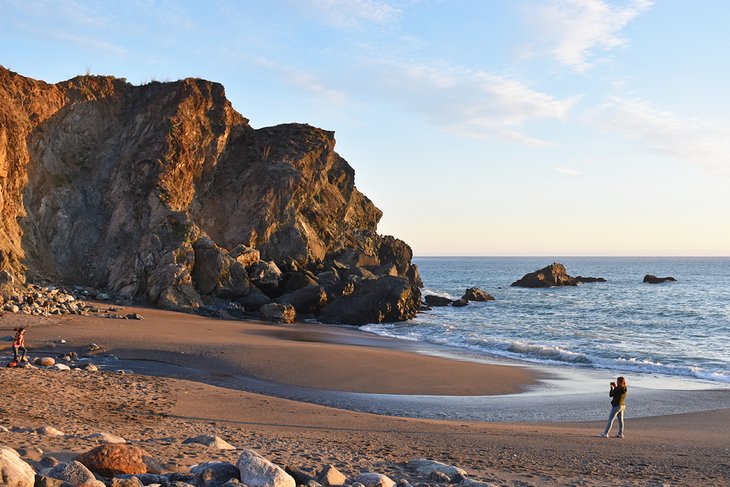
x=622 y=325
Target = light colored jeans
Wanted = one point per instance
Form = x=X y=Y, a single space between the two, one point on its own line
x=616 y=412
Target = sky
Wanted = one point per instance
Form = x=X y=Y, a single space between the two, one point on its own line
x=500 y=127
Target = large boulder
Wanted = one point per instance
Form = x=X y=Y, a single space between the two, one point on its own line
x=329 y=476
x=170 y=286
x=476 y=294
x=370 y=479
x=425 y=467
x=278 y=313
x=74 y=473
x=210 y=440
x=552 y=275
x=214 y=474
x=386 y=299
x=256 y=471
x=307 y=300
x=397 y=252
x=216 y=272
x=14 y=472
x=433 y=300
x=119 y=458
x=254 y=300
x=245 y=255
x=293 y=281
x=266 y=276
x=651 y=279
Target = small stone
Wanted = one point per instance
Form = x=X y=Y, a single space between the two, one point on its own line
x=106 y=438
x=61 y=367
x=49 y=431
x=46 y=361
x=212 y=441
x=370 y=479
x=330 y=476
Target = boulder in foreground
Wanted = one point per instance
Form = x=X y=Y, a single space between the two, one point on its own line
x=14 y=472
x=119 y=458
x=256 y=471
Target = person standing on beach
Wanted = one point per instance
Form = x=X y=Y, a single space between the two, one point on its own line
x=618 y=396
x=19 y=344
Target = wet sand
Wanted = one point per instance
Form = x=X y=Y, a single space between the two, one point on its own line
x=160 y=412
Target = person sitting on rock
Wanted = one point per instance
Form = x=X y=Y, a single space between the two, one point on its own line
x=19 y=345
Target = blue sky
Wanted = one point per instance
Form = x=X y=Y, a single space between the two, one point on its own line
x=571 y=127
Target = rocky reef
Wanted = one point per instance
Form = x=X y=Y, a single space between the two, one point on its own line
x=164 y=194
x=551 y=276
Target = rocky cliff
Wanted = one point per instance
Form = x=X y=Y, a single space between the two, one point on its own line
x=164 y=193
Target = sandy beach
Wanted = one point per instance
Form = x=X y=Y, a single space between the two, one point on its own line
x=159 y=412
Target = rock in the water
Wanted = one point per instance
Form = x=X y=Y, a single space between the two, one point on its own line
x=433 y=300
x=386 y=299
x=369 y=479
x=651 y=279
x=278 y=313
x=134 y=316
x=581 y=279
x=61 y=367
x=552 y=275
x=74 y=473
x=212 y=441
x=476 y=294
x=214 y=474
x=256 y=471
x=423 y=466
x=460 y=303
x=112 y=459
x=14 y=472
x=330 y=477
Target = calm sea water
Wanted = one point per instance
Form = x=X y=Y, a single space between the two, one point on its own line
x=679 y=329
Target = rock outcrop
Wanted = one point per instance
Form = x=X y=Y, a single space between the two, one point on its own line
x=553 y=275
x=163 y=193
x=476 y=294
x=651 y=279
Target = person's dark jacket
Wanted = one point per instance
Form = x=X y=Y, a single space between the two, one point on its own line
x=618 y=394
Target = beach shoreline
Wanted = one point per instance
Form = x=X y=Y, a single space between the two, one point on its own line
x=159 y=413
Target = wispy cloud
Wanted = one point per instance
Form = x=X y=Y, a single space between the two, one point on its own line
x=470 y=102
x=568 y=171
x=347 y=14
x=701 y=142
x=572 y=31
x=304 y=80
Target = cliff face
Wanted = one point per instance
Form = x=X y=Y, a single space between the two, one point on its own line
x=155 y=191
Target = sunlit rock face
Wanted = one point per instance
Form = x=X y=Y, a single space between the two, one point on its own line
x=164 y=193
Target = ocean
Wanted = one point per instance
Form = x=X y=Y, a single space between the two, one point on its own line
x=679 y=329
